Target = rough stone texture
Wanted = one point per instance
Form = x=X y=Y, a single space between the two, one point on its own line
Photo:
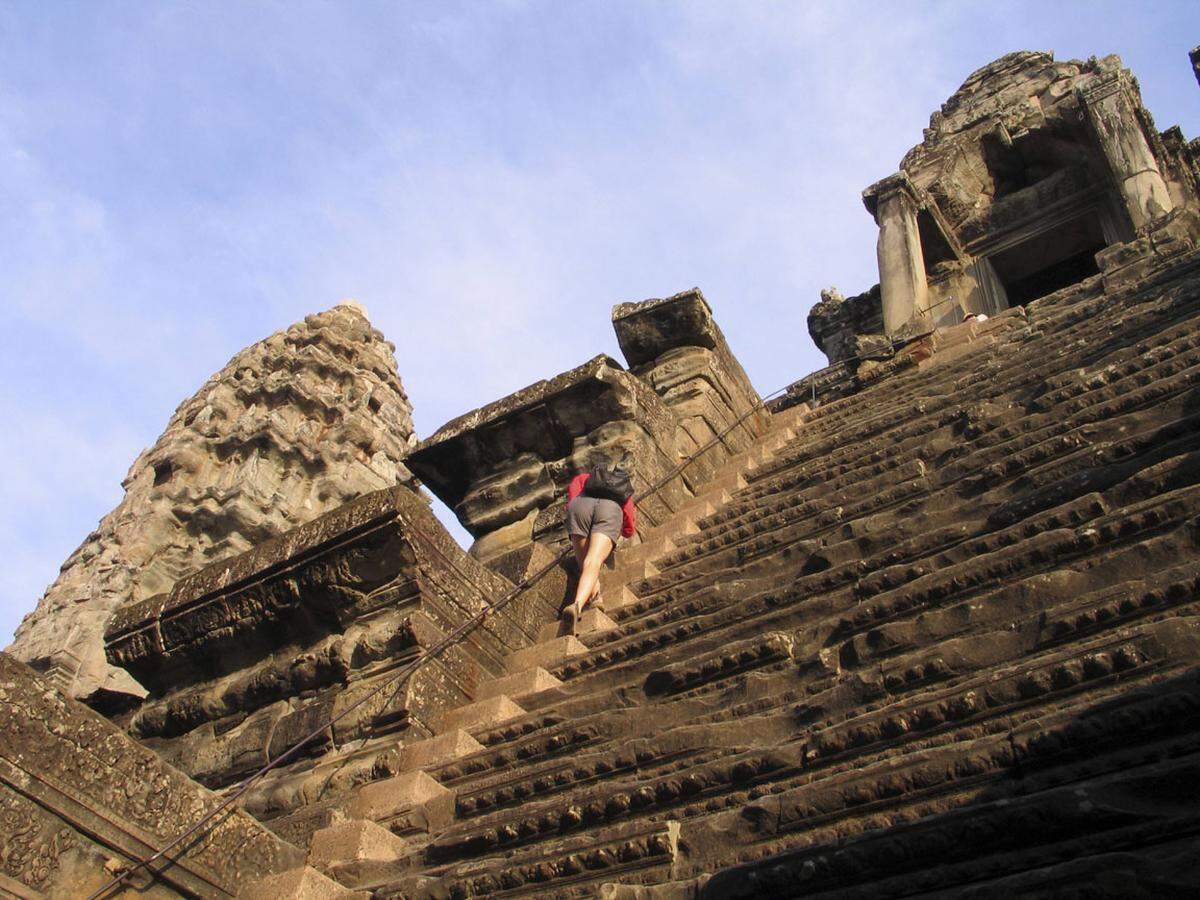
x=291 y=427
x=844 y=328
x=485 y=713
x=675 y=346
x=79 y=800
x=299 y=884
x=504 y=468
x=447 y=746
x=1025 y=173
x=251 y=654
x=528 y=681
x=354 y=841
x=958 y=655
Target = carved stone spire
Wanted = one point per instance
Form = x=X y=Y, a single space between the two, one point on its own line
x=291 y=427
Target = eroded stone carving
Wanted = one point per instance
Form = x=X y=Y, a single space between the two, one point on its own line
x=292 y=426
x=504 y=468
x=250 y=654
x=676 y=346
x=1028 y=171
x=79 y=799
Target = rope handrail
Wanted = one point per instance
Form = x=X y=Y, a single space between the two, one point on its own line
x=398 y=679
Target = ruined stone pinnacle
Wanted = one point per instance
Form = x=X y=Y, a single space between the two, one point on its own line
x=297 y=424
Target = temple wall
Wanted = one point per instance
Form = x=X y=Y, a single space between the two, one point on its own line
x=248 y=656
x=80 y=800
x=504 y=468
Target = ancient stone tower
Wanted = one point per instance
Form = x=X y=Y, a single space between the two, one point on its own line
x=1029 y=171
x=291 y=427
x=925 y=626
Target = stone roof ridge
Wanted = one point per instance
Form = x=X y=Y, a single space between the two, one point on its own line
x=233 y=572
x=633 y=307
x=1003 y=88
x=994 y=76
x=525 y=397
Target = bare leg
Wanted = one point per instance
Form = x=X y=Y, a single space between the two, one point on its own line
x=598 y=548
x=579 y=543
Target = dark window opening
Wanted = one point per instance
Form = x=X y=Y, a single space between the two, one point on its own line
x=1030 y=158
x=1050 y=261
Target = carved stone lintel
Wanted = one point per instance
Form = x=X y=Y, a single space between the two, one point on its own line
x=502 y=463
x=81 y=784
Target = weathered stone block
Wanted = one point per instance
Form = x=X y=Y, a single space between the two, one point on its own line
x=437 y=750
x=481 y=714
x=838 y=324
x=656 y=546
x=547 y=595
x=356 y=840
x=513 y=458
x=250 y=656
x=517 y=685
x=675 y=345
x=414 y=797
x=547 y=654
x=616 y=598
x=299 y=884
x=299 y=827
x=593 y=621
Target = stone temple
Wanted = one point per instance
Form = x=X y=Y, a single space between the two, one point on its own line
x=926 y=625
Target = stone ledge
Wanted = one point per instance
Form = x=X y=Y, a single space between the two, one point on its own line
x=300 y=884
x=437 y=750
x=356 y=840
x=428 y=804
x=519 y=684
x=482 y=713
x=547 y=655
x=593 y=621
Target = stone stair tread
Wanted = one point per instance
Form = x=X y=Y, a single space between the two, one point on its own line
x=300 y=884
x=787 y=664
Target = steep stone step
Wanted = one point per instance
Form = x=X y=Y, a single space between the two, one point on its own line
x=952 y=641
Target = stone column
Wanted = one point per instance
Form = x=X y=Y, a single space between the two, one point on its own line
x=903 y=288
x=1112 y=110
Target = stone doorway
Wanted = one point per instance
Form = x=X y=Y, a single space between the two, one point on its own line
x=1051 y=260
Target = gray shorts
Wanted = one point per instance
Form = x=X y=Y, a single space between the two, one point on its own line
x=586 y=515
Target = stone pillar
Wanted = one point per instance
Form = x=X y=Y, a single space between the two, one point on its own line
x=1112 y=110
x=902 y=283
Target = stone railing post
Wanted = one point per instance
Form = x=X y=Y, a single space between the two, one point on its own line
x=1111 y=110
x=903 y=287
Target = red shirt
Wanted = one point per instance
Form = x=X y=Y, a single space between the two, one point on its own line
x=628 y=517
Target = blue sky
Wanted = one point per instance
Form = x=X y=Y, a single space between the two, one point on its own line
x=180 y=180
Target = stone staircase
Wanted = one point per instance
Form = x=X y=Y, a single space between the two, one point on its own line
x=934 y=637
